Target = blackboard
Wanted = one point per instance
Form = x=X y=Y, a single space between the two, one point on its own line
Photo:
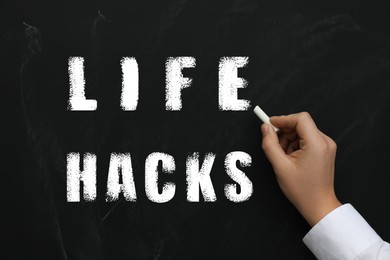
x=329 y=58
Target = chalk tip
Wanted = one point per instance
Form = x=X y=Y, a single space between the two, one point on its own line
x=257 y=108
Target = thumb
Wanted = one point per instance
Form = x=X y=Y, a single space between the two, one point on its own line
x=271 y=146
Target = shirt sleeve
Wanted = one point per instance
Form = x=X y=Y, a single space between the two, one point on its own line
x=343 y=234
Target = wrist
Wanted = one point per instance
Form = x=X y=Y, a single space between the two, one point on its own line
x=320 y=210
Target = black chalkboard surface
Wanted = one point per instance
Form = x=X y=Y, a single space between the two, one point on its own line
x=330 y=58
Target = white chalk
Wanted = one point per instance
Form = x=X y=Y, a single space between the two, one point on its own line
x=263 y=116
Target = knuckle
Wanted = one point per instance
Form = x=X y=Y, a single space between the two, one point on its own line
x=323 y=146
x=327 y=146
x=332 y=145
x=304 y=116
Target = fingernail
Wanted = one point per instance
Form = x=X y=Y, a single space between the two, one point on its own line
x=264 y=129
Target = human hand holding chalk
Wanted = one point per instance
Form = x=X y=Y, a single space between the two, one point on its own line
x=303 y=160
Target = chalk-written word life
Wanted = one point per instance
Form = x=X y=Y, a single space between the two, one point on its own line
x=228 y=85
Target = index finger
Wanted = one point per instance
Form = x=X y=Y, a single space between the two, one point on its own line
x=301 y=123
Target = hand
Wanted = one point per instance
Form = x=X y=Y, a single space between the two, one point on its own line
x=303 y=160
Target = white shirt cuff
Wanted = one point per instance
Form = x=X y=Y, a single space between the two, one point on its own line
x=342 y=234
